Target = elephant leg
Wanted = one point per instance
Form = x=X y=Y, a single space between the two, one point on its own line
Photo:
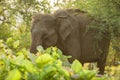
x=101 y=65
x=102 y=60
x=82 y=64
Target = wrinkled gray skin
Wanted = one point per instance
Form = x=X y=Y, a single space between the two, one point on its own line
x=66 y=29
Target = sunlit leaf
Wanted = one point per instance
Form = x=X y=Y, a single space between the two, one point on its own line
x=66 y=74
x=76 y=66
x=28 y=65
x=16 y=44
x=9 y=40
x=89 y=74
x=48 y=72
x=43 y=60
x=14 y=75
x=55 y=55
x=48 y=50
x=59 y=63
x=19 y=59
x=32 y=57
x=40 y=49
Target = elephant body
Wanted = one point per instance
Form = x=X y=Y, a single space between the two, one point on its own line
x=67 y=29
x=92 y=49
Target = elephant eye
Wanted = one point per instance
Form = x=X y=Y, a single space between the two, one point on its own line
x=48 y=35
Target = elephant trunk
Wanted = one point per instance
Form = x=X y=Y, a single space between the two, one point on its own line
x=33 y=50
x=34 y=45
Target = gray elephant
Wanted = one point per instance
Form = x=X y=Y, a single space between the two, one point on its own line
x=92 y=49
x=66 y=29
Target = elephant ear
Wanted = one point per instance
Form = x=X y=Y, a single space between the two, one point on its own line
x=65 y=27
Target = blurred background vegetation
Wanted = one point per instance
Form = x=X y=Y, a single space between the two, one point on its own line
x=15 y=21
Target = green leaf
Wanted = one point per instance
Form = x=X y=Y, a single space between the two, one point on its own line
x=32 y=57
x=54 y=49
x=43 y=60
x=59 y=63
x=66 y=74
x=59 y=52
x=14 y=75
x=48 y=50
x=48 y=72
x=28 y=65
x=18 y=60
x=55 y=55
x=76 y=66
x=16 y=44
x=40 y=49
x=87 y=74
x=10 y=41
x=91 y=74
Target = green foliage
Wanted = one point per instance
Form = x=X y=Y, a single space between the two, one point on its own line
x=76 y=66
x=16 y=73
x=45 y=65
x=41 y=61
x=113 y=72
x=15 y=20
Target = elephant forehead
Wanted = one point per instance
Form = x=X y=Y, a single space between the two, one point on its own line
x=42 y=17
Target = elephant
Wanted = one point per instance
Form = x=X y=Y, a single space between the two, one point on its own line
x=66 y=29
x=56 y=30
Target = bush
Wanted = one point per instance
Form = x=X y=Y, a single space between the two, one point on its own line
x=47 y=64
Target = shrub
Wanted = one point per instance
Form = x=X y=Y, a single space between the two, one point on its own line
x=48 y=64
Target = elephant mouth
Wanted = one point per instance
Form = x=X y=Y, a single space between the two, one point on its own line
x=50 y=40
x=48 y=43
x=33 y=51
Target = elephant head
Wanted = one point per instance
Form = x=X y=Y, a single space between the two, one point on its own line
x=43 y=31
x=48 y=29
